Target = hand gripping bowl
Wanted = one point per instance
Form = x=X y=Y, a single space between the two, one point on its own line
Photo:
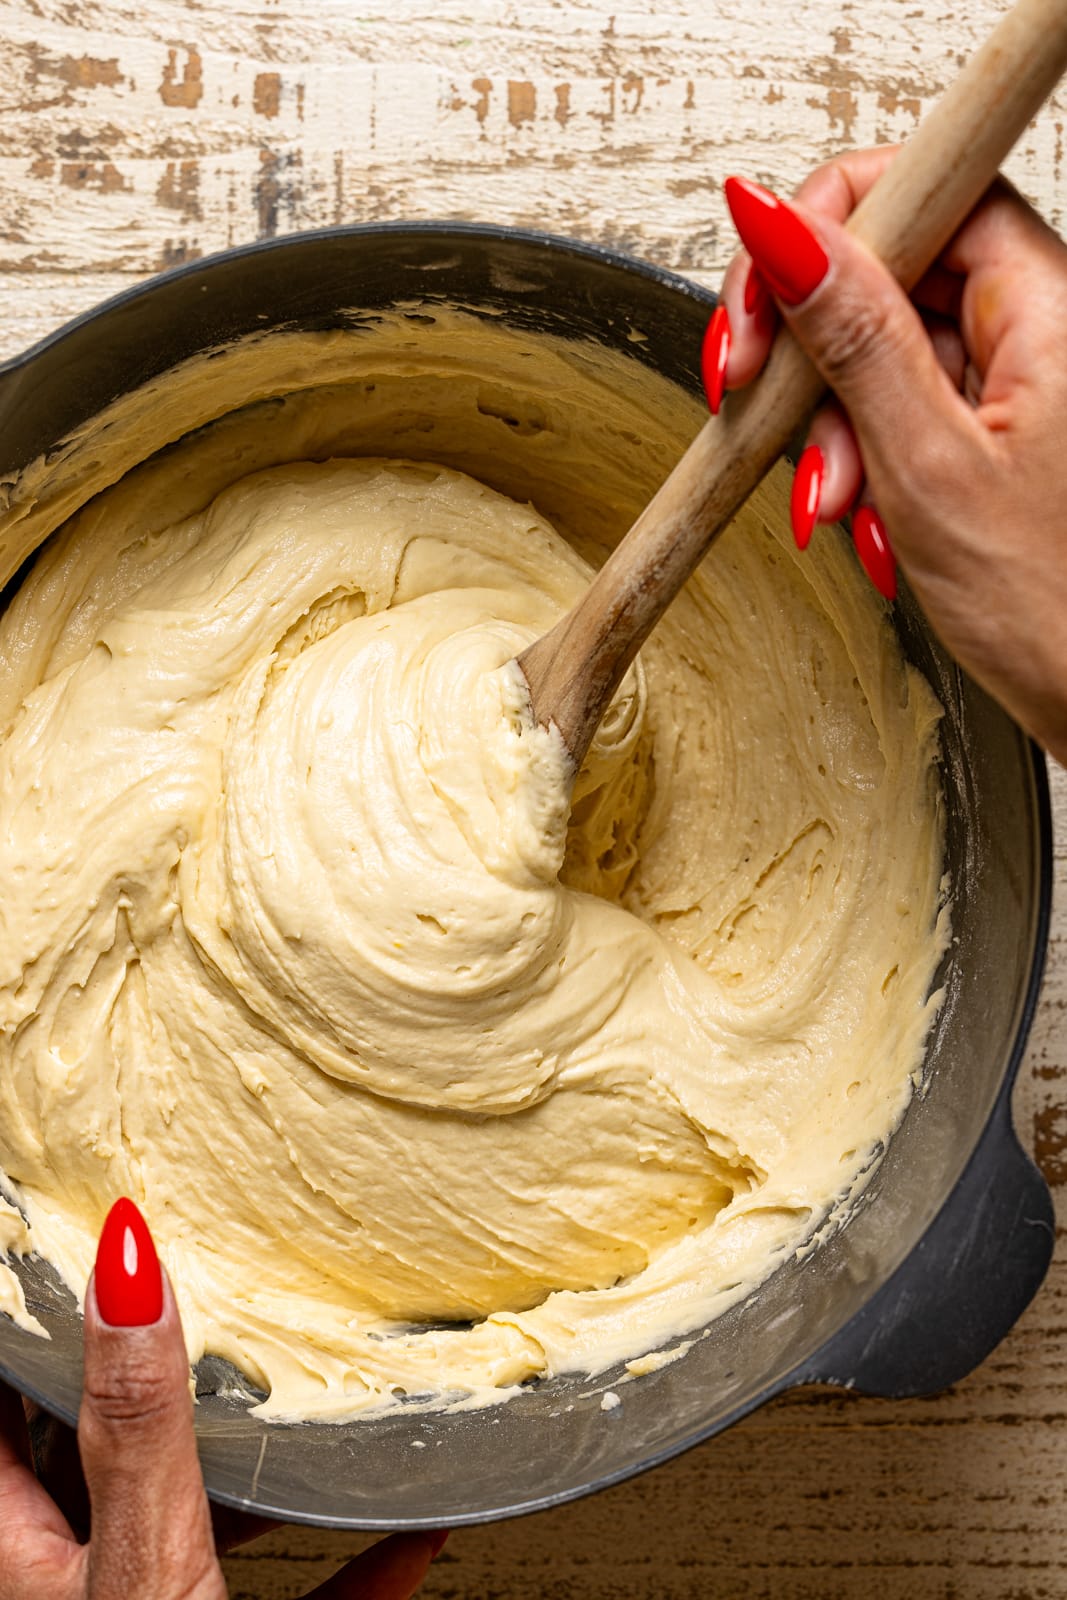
x=952 y=1236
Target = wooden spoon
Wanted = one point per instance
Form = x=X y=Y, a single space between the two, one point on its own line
x=906 y=219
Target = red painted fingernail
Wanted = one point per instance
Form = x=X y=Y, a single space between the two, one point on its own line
x=785 y=250
x=874 y=550
x=714 y=353
x=804 y=500
x=437 y=1541
x=129 y=1280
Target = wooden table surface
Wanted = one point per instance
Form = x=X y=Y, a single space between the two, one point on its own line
x=136 y=134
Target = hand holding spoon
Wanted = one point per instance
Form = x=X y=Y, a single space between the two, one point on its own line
x=906 y=219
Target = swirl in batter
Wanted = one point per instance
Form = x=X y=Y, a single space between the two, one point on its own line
x=425 y=1084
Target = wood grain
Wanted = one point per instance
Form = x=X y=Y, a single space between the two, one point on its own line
x=139 y=133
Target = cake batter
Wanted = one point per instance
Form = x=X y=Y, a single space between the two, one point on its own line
x=426 y=1083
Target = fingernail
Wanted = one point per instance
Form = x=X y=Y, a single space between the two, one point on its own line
x=128 y=1279
x=785 y=250
x=437 y=1541
x=714 y=353
x=804 y=500
x=874 y=550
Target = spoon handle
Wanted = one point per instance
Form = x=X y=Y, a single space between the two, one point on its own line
x=906 y=219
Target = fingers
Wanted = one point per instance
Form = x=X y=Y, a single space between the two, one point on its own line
x=989 y=245
x=828 y=477
x=897 y=380
x=860 y=330
x=151 y=1532
x=843 y=474
x=836 y=189
x=26 y=1508
x=24 y=1503
x=903 y=375
x=391 y=1570
x=948 y=348
x=833 y=190
x=58 y=1468
x=39 y=1556
x=999 y=229
x=1001 y=222
x=830 y=473
x=752 y=321
x=151 y=1528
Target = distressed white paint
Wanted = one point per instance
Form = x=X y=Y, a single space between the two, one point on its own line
x=134 y=137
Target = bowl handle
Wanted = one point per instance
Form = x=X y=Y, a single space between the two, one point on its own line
x=949 y=1304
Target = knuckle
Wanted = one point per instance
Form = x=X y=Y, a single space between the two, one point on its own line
x=139 y=1392
x=857 y=336
x=833 y=175
x=40 y=1570
x=829 y=178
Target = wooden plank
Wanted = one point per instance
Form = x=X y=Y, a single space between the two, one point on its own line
x=134 y=138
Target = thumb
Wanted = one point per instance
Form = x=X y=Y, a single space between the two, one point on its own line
x=151 y=1529
x=858 y=326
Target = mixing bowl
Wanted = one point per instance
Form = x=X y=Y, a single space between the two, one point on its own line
x=951 y=1237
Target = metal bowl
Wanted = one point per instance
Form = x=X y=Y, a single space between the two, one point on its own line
x=953 y=1234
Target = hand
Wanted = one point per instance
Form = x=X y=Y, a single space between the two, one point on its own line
x=153 y=1533
x=949 y=426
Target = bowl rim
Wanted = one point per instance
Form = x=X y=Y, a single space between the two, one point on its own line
x=556 y=243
